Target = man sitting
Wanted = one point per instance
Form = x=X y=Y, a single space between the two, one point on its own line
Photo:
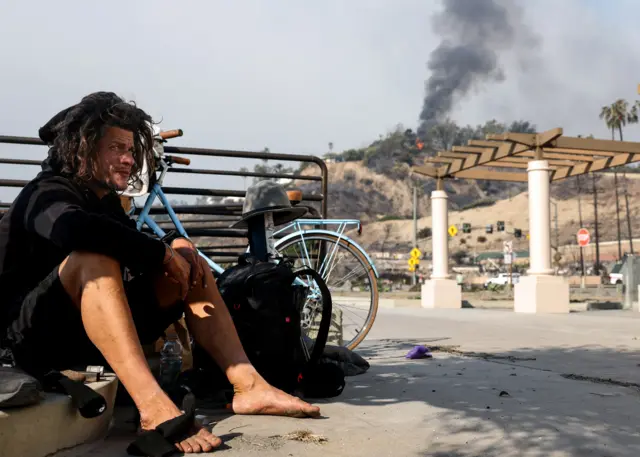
x=81 y=285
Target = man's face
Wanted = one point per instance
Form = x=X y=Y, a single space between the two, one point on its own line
x=115 y=158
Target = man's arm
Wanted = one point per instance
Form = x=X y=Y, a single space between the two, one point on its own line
x=55 y=213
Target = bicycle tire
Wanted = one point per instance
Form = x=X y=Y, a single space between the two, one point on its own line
x=341 y=242
x=325 y=320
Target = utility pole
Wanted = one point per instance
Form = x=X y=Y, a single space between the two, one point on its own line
x=580 y=220
x=626 y=202
x=595 y=211
x=615 y=185
x=555 y=206
x=415 y=228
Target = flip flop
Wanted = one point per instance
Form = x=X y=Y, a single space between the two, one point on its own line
x=160 y=442
x=90 y=403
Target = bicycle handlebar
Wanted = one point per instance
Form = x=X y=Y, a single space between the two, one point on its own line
x=170 y=134
x=177 y=159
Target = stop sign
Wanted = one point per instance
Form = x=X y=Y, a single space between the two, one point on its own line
x=583 y=237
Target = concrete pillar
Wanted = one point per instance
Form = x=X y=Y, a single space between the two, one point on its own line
x=539 y=218
x=439 y=234
x=440 y=291
x=540 y=290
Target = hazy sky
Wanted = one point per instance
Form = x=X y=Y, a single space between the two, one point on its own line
x=293 y=76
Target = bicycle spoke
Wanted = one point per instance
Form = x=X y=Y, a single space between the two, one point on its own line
x=347 y=274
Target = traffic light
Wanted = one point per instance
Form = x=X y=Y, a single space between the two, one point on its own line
x=500 y=226
x=489 y=228
x=466 y=228
x=517 y=233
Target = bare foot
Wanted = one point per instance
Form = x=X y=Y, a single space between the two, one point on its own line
x=261 y=398
x=201 y=440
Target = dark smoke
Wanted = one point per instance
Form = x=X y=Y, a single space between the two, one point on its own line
x=473 y=33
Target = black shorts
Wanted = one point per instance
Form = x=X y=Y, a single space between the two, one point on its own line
x=49 y=334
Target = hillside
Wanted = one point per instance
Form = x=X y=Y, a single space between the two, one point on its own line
x=357 y=191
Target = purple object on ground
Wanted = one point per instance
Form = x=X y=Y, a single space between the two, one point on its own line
x=419 y=352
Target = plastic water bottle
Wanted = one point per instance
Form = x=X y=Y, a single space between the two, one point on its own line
x=170 y=362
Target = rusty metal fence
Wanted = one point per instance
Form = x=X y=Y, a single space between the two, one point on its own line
x=202 y=222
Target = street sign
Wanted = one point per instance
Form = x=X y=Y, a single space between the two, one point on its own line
x=453 y=231
x=583 y=237
x=509 y=258
x=415 y=252
x=413 y=262
x=507 y=247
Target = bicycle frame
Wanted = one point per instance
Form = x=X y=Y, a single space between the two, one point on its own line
x=145 y=218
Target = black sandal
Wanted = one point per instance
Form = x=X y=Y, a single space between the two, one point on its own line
x=160 y=442
x=90 y=403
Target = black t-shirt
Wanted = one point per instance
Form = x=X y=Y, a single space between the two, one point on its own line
x=53 y=216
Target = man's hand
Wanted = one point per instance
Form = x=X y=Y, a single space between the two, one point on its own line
x=186 y=249
x=177 y=270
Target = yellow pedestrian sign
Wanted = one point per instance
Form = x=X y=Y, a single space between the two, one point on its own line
x=453 y=230
x=415 y=252
x=413 y=262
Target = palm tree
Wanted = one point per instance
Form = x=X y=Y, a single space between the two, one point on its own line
x=632 y=118
x=614 y=116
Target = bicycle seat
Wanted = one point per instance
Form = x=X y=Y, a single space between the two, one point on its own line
x=295 y=196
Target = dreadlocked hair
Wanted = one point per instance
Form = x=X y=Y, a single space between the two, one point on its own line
x=77 y=134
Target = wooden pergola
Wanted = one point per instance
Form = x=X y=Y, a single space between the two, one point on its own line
x=505 y=157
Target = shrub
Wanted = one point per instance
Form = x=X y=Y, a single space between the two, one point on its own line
x=479 y=204
x=424 y=232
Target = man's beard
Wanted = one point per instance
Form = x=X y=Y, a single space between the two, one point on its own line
x=110 y=187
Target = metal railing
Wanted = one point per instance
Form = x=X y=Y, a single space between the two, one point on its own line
x=228 y=213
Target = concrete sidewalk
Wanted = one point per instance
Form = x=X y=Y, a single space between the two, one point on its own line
x=502 y=384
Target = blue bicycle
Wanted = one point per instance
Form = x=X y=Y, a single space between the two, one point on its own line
x=346 y=268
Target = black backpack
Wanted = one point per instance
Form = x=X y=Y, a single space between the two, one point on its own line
x=266 y=307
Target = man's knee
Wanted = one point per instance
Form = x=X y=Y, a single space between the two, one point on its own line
x=82 y=267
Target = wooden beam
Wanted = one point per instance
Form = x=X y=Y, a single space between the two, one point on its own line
x=505 y=164
x=527 y=158
x=426 y=170
x=545 y=137
x=527 y=139
x=438 y=159
x=470 y=160
x=591 y=144
x=572 y=158
x=597 y=165
x=478 y=173
x=581 y=152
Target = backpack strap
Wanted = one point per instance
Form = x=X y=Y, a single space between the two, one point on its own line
x=327 y=309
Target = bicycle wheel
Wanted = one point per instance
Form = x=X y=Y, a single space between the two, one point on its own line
x=349 y=277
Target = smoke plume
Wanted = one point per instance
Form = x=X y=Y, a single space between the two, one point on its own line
x=474 y=33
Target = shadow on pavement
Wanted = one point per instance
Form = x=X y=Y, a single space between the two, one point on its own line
x=555 y=401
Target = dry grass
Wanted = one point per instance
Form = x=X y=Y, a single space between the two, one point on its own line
x=305 y=436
